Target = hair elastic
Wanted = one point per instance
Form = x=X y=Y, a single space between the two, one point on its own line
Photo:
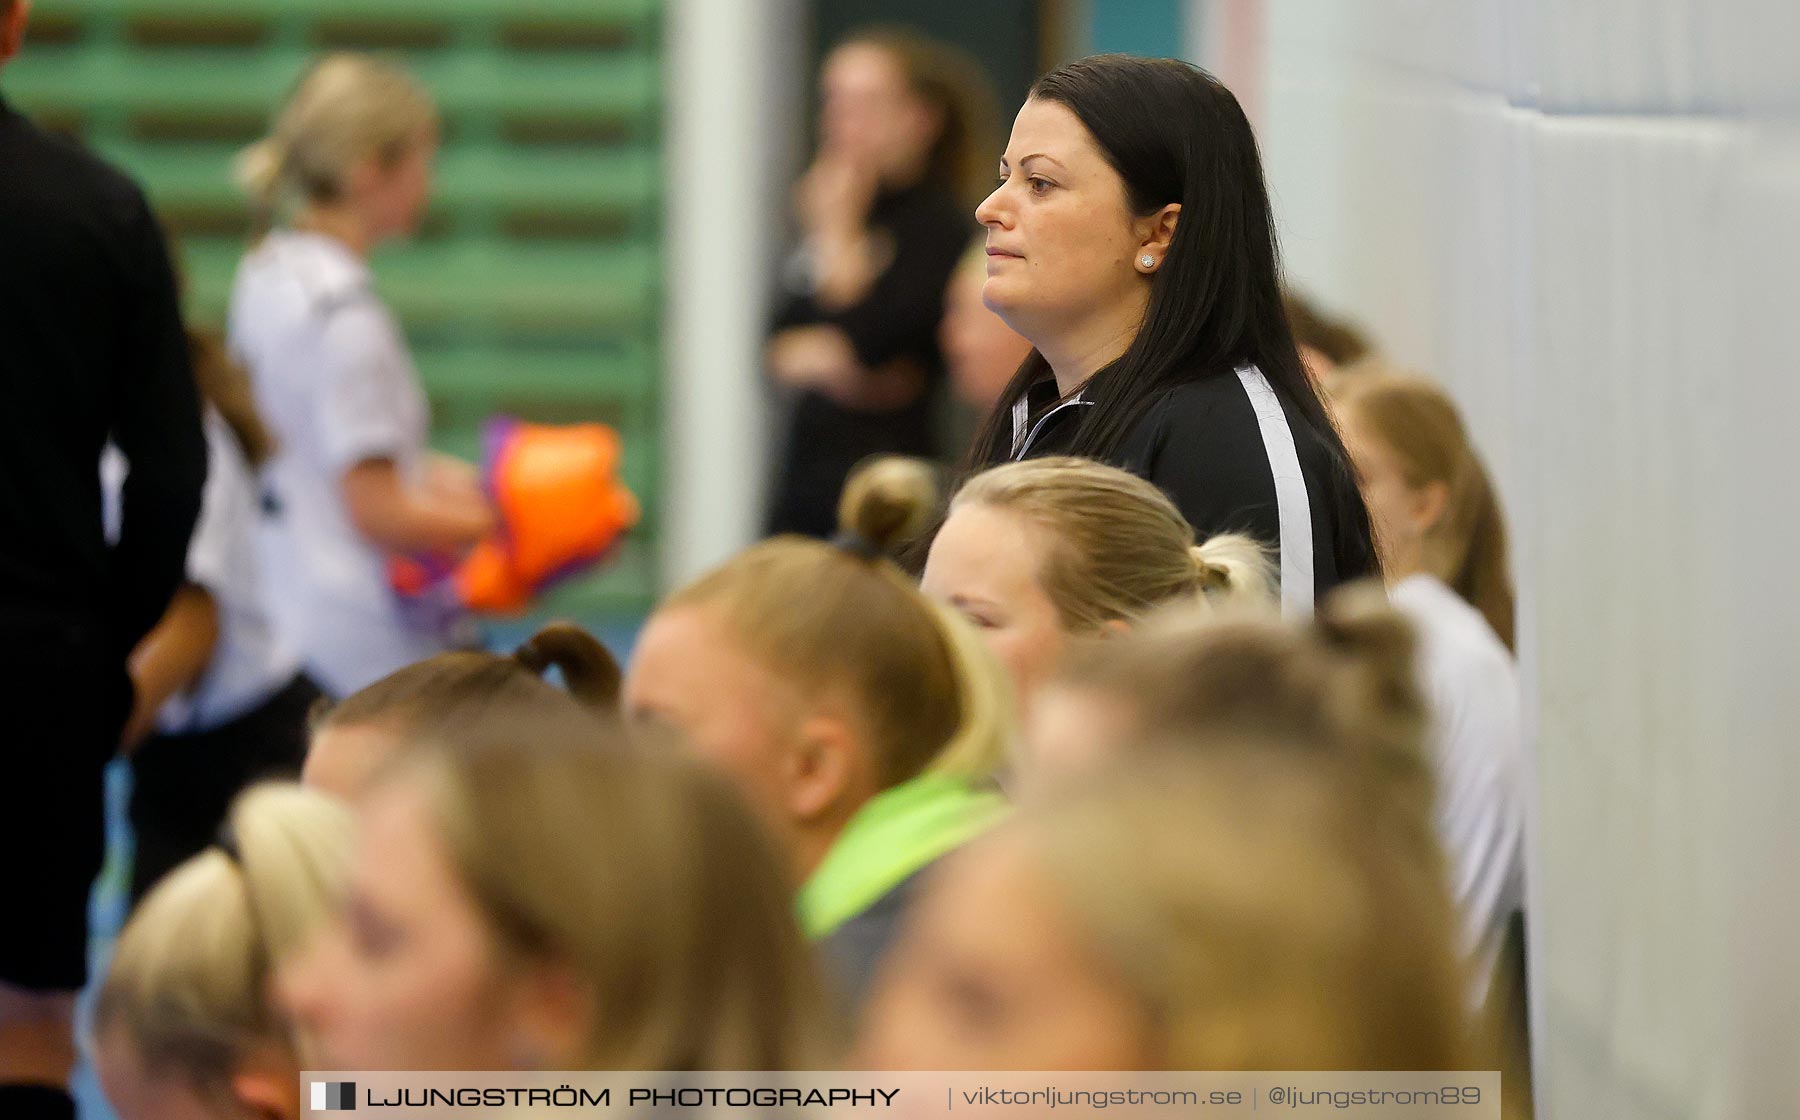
x=226 y=841
x=853 y=542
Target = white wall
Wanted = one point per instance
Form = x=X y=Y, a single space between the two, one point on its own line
x=1562 y=210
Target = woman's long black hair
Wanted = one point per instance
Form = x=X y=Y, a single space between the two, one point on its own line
x=1175 y=134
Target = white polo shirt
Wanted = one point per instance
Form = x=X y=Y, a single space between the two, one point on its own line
x=1477 y=733
x=335 y=383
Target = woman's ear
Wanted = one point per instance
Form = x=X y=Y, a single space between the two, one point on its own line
x=552 y=1016
x=823 y=766
x=1115 y=628
x=1156 y=231
x=1430 y=502
x=267 y=1084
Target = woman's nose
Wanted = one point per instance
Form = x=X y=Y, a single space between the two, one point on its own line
x=992 y=209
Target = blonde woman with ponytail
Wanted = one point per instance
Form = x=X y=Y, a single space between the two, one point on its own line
x=345 y=168
x=1443 y=543
x=183 y=1025
x=1043 y=552
x=864 y=720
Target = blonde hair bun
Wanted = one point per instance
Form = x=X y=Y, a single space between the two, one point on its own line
x=889 y=501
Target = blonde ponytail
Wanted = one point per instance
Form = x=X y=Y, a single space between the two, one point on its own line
x=258 y=171
x=188 y=985
x=1233 y=568
x=345 y=108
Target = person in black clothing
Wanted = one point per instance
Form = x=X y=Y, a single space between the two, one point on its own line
x=883 y=223
x=1131 y=241
x=91 y=347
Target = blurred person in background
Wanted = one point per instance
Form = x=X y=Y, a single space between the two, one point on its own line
x=883 y=216
x=533 y=891
x=864 y=720
x=1339 y=686
x=354 y=739
x=981 y=352
x=1131 y=241
x=1443 y=540
x=1040 y=554
x=1326 y=342
x=184 y=1027
x=1228 y=912
x=346 y=167
x=94 y=350
x=220 y=702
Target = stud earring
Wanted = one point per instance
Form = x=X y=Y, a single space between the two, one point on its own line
x=1147 y=261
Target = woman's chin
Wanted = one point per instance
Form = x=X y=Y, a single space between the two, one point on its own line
x=995 y=295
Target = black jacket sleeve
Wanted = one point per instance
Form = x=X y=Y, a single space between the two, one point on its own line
x=156 y=423
x=1215 y=470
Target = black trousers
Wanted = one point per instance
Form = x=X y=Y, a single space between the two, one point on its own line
x=64 y=699
x=183 y=784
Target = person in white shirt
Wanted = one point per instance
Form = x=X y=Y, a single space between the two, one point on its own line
x=218 y=700
x=351 y=484
x=1443 y=548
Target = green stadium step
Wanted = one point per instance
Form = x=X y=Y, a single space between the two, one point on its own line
x=192 y=183
x=503 y=285
x=527 y=377
x=555 y=12
x=163 y=83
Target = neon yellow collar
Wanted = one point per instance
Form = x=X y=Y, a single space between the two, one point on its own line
x=897 y=833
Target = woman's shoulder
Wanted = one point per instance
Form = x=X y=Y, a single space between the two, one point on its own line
x=1211 y=407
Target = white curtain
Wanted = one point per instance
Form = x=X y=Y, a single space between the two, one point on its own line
x=1585 y=218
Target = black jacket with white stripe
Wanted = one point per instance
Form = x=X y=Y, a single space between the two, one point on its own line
x=1205 y=445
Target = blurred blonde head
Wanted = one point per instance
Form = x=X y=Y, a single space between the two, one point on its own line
x=840 y=619
x=1116 y=546
x=346 y=109
x=681 y=930
x=1339 y=686
x=1225 y=912
x=1045 y=551
x=567 y=898
x=185 y=998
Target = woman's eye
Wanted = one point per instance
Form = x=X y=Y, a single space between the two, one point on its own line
x=1039 y=186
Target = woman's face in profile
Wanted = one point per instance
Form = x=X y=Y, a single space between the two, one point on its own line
x=1061 y=237
x=992 y=972
x=407 y=976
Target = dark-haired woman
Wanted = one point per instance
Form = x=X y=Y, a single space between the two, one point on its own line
x=883 y=214
x=1130 y=240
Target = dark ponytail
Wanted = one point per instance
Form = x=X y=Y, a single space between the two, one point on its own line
x=589 y=671
x=439 y=691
